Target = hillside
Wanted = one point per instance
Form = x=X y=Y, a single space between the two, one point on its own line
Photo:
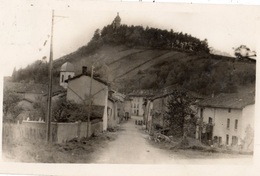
x=127 y=62
x=131 y=68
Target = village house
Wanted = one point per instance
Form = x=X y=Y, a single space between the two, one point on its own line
x=78 y=90
x=127 y=107
x=156 y=107
x=138 y=98
x=115 y=109
x=231 y=118
x=111 y=113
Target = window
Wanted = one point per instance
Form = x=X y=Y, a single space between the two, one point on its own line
x=62 y=78
x=236 y=123
x=227 y=139
x=137 y=105
x=201 y=112
x=69 y=76
x=108 y=111
x=228 y=123
x=210 y=120
x=134 y=106
x=229 y=110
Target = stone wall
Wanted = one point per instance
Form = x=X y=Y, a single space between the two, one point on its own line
x=60 y=132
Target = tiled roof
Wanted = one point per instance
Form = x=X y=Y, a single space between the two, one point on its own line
x=143 y=93
x=95 y=78
x=235 y=100
x=153 y=94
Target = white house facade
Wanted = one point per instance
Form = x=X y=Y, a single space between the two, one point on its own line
x=78 y=90
x=227 y=117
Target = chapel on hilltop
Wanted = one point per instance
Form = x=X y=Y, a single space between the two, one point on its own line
x=117 y=21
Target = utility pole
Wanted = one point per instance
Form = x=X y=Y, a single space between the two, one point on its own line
x=89 y=104
x=49 y=110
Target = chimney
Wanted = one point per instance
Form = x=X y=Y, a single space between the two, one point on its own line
x=84 y=70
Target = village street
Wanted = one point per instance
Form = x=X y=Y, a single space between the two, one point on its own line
x=132 y=147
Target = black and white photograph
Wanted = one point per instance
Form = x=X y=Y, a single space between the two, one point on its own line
x=96 y=83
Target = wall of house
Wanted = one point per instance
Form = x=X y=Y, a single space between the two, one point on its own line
x=159 y=107
x=220 y=117
x=127 y=107
x=120 y=109
x=96 y=127
x=78 y=91
x=111 y=114
x=248 y=116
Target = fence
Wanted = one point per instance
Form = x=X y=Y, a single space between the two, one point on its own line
x=60 y=132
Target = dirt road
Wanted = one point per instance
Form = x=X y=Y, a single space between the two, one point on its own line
x=132 y=147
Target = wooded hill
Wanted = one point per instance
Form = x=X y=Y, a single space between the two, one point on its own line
x=131 y=57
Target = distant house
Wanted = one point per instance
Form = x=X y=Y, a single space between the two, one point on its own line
x=118 y=107
x=156 y=107
x=154 y=111
x=230 y=116
x=138 y=98
x=78 y=90
x=127 y=107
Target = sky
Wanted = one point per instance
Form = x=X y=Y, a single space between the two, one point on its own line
x=25 y=27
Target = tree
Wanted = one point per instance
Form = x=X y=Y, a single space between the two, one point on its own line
x=249 y=138
x=244 y=52
x=180 y=113
x=68 y=111
x=10 y=103
x=41 y=106
x=96 y=35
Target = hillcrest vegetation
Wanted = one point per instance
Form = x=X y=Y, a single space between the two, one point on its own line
x=151 y=58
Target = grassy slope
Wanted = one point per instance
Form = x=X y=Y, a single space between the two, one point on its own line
x=130 y=68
